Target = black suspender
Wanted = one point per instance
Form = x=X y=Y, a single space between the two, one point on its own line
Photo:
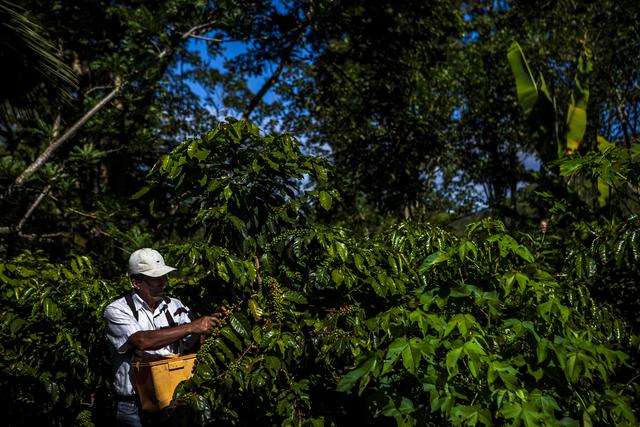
x=175 y=347
x=129 y=299
x=167 y=313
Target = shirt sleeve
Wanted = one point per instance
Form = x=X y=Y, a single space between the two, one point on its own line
x=180 y=313
x=120 y=325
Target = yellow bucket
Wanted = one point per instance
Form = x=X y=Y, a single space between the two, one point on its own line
x=156 y=380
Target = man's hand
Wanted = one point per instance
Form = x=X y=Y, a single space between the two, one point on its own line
x=205 y=324
x=153 y=340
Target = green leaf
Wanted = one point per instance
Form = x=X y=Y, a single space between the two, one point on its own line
x=569 y=422
x=321 y=173
x=576 y=127
x=342 y=251
x=141 y=192
x=294 y=296
x=16 y=325
x=411 y=356
x=337 y=276
x=541 y=349
x=526 y=88
x=231 y=336
x=577 y=114
x=325 y=200
x=603 y=193
x=505 y=372
x=524 y=253
x=525 y=413
x=452 y=361
x=433 y=259
x=464 y=323
x=358 y=261
x=470 y=415
x=237 y=325
x=227 y=192
x=349 y=380
x=546 y=402
x=393 y=353
x=466 y=247
x=50 y=308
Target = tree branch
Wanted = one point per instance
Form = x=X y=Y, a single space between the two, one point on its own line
x=10 y=230
x=185 y=36
x=210 y=39
x=198 y=28
x=37 y=164
x=33 y=206
x=256 y=263
x=264 y=89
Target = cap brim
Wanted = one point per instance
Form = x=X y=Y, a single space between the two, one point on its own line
x=158 y=271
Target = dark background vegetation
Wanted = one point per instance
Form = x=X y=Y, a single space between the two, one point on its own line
x=395 y=174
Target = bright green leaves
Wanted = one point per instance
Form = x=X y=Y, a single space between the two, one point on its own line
x=325 y=200
x=505 y=372
x=244 y=185
x=410 y=351
x=470 y=416
x=400 y=411
x=539 y=106
x=580 y=358
x=507 y=244
x=433 y=259
x=599 y=172
x=531 y=409
x=522 y=413
x=51 y=328
x=474 y=325
x=577 y=115
x=395 y=350
x=466 y=248
x=464 y=323
x=474 y=354
x=361 y=374
x=337 y=277
x=536 y=102
x=50 y=309
x=197 y=150
x=452 y=361
x=526 y=87
x=459 y=331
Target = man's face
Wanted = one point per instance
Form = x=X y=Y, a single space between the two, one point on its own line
x=151 y=289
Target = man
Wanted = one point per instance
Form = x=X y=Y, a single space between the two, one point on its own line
x=147 y=323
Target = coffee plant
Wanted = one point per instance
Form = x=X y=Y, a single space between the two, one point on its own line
x=409 y=326
x=54 y=361
x=412 y=326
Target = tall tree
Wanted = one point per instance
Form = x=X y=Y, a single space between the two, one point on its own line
x=379 y=99
x=66 y=183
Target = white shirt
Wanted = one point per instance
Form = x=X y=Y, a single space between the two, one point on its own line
x=121 y=324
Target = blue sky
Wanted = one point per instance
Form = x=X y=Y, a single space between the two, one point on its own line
x=230 y=50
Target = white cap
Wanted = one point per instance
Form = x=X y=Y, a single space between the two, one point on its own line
x=148 y=262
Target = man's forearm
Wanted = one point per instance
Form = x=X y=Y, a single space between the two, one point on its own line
x=154 y=340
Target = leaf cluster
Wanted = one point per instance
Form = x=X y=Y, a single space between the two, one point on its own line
x=411 y=324
x=53 y=354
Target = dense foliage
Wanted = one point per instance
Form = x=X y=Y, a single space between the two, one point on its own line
x=54 y=357
x=454 y=241
x=413 y=323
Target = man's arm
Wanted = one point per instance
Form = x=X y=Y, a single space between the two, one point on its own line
x=153 y=340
